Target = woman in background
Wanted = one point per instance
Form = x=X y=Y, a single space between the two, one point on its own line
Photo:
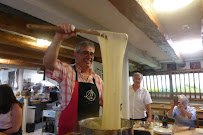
x=10 y=112
x=183 y=114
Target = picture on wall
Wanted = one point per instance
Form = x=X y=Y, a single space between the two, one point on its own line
x=171 y=66
x=195 y=65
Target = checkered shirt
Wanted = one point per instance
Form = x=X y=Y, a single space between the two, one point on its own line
x=65 y=75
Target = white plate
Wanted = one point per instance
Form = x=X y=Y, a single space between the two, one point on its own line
x=199 y=130
x=162 y=131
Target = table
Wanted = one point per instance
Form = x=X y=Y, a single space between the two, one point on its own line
x=179 y=130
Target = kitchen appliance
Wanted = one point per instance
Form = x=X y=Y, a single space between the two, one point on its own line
x=92 y=126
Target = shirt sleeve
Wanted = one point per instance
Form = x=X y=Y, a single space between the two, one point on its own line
x=147 y=99
x=60 y=72
x=173 y=114
x=193 y=111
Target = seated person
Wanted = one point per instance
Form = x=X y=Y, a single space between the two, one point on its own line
x=183 y=114
x=10 y=112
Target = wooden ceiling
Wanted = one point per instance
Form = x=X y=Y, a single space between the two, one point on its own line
x=149 y=31
x=18 y=45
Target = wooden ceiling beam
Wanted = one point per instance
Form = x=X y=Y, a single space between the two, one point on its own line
x=14 y=20
x=19 y=63
x=12 y=52
x=27 y=44
x=5 y=49
x=31 y=60
x=20 y=58
x=22 y=42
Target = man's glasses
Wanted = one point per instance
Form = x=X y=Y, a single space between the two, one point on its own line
x=86 y=53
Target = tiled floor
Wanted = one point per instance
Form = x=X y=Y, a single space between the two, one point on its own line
x=37 y=132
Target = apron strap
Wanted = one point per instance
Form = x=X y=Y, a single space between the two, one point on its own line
x=94 y=81
x=76 y=74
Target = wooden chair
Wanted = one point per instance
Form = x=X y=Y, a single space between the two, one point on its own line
x=197 y=121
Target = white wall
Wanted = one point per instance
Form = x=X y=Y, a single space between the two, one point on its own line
x=98 y=68
x=4 y=75
x=33 y=75
x=20 y=79
x=52 y=81
x=125 y=88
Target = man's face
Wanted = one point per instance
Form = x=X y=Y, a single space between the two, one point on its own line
x=137 y=80
x=84 y=57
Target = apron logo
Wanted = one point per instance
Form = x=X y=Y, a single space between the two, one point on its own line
x=90 y=95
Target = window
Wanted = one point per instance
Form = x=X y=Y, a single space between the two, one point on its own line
x=168 y=84
x=158 y=85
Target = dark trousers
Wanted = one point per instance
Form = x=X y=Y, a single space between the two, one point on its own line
x=142 y=119
x=138 y=132
x=16 y=133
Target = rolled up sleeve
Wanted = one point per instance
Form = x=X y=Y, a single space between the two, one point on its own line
x=173 y=114
x=193 y=111
x=147 y=99
x=59 y=72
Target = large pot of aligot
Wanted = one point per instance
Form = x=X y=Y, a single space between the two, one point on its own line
x=92 y=126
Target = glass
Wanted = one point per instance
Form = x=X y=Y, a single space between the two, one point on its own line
x=87 y=53
x=174 y=128
x=156 y=122
x=164 y=121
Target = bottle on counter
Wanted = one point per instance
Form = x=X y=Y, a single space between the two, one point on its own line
x=164 y=120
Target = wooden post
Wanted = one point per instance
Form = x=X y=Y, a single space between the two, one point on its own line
x=171 y=84
x=25 y=113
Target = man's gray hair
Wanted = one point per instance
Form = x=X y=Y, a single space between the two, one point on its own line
x=137 y=73
x=183 y=98
x=84 y=44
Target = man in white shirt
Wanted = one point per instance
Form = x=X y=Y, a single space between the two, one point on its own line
x=140 y=100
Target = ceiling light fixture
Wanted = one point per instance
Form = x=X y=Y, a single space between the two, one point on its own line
x=169 y=5
x=42 y=42
x=188 y=46
x=4 y=60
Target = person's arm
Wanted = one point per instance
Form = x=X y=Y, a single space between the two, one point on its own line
x=147 y=101
x=149 y=112
x=170 y=112
x=185 y=113
x=52 y=52
x=188 y=114
x=16 y=113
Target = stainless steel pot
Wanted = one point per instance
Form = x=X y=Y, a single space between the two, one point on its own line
x=92 y=126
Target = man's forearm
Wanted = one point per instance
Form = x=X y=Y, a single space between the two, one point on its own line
x=149 y=112
x=51 y=54
x=188 y=114
x=170 y=112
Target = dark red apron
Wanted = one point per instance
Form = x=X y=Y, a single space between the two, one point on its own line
x=84 y=104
